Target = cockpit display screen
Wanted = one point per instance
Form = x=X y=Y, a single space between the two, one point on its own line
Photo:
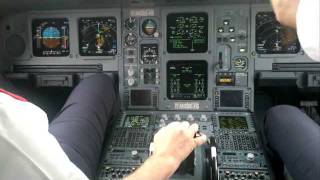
x=50 y=37
x=187 y=32
x=274 y=38
x=187 y=80
x=233 y=122
x=98 y=36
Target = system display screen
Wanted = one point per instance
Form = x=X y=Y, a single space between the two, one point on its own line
x=187 y=32
x=140 y=97
x=98 y=36
x=233 y=122
x=50 y=37
x=231 y=98
x=274 y=38
x=187 y=80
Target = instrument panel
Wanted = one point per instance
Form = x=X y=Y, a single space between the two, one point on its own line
x=173 y=63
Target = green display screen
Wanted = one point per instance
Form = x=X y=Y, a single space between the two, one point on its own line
x=187 y=32
x=137 y=121
x=233 y=122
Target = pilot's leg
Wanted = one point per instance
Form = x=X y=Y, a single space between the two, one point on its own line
x=81 y=124
x=295 y=138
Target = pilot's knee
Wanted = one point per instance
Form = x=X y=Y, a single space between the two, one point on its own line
x=100 y=81
x=279 y=115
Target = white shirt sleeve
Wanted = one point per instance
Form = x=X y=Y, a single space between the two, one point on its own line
x=308 y=27
x=28 y=150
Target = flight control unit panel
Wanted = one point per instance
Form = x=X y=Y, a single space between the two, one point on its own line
x=173 y=63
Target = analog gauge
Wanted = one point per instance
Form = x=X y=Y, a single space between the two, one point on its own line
x=130 y=39
x=50 y=37
x=98 y=36
x=130 y=23
x=149 y=54
x=149 y=27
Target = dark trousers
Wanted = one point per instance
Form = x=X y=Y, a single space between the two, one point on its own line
x=294 y=140
x=81 y=124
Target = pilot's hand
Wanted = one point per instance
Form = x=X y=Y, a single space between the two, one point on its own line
x=176 y=141
x=286 y=11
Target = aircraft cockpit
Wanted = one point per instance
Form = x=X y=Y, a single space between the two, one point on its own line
x=220 y=64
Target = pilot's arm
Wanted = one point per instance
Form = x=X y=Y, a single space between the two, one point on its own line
x=304 y=15
x=172 y=144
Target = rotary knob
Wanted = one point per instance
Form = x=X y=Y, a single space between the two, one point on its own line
x=250 y=157
x=177 y=117
x=190 y=117
x=203 y=117
x=130 y=71
x=131 y=81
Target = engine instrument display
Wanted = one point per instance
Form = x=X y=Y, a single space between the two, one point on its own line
x=149 y=54
x=273 y=38
x=187 y=32
x=233 y=122
x=187 y=80
x=50 y=37
x=98 y=36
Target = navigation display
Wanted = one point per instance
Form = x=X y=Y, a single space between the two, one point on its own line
x=50 y=37
x=273 y=38
x=187 y=32
x=98 y=36
x=233 y=122
x=187 y=80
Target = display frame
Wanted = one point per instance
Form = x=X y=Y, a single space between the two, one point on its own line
x=183 y=105
x=201 y=49
x=263 y=62
x=43 y=51
x=246 y=99
x=273 y=52
x=187 y=97
x=80 y=38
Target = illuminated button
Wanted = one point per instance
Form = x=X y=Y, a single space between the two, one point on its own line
x=231 y=29
x=242 y=50
x=190 y=117
x=177 y=117
x=220 y=29
x=203 y=117
x=226 y=22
